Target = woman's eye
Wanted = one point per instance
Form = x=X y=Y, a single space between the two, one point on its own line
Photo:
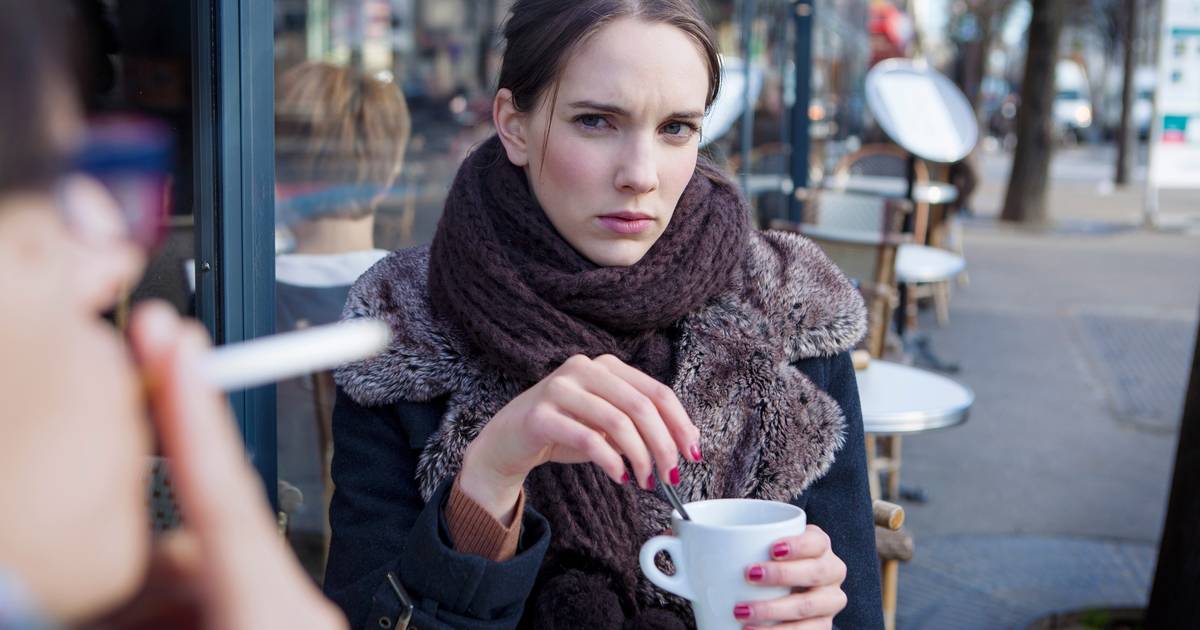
x=592 y=121
x=679 y=129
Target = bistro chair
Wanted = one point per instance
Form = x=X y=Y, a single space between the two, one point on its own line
x=886 y=160
x=894 y=545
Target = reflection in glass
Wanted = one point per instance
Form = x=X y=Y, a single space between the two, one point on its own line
x=340 y=138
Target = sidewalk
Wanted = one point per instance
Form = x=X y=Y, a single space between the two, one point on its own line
x=1077 y=342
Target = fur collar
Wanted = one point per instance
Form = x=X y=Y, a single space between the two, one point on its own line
x=807 y=306
x=735 y=355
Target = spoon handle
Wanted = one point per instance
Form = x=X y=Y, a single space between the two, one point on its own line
x=673 y=498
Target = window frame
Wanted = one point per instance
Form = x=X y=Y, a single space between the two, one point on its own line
x=234 y=154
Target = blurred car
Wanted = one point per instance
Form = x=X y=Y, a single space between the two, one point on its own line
x=1072 y=110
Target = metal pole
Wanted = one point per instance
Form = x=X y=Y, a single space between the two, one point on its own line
x=747 y=20
x=803 y=17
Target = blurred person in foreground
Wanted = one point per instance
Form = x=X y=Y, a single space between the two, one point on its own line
x=75 y=542
x=340 y=137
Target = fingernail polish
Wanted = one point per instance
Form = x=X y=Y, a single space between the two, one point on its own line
x=625 y=478
x=650 y=482
x=780 y=550
x=741 y=611
x=695 y=451
x=675 y=476
x=755 y=573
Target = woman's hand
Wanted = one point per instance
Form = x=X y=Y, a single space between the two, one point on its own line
x=807 y=564
x=588 y=410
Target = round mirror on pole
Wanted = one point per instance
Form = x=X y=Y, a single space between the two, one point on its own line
x=921 y=110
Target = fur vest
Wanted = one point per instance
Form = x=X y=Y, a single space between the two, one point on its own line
x=766 y=430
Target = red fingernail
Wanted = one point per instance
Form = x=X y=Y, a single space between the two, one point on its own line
x=695 y=451
x=625 y=478
x=755 y=574
x=780 y=550
x=650 y=482
x=675 y=476
x=741 y=611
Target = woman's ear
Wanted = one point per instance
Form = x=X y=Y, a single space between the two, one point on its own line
x=510 y=126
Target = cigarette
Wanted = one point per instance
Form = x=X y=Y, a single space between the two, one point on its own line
x=278 y=357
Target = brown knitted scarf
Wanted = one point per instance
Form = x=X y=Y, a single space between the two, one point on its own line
x=527 y=300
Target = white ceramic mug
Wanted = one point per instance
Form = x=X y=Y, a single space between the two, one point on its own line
x=712 y=552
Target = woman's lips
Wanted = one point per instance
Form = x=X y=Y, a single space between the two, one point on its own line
x=626 y=222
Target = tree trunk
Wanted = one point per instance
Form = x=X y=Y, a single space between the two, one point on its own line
x=1025 y=201
x=1125 y=138
x=1173 y=601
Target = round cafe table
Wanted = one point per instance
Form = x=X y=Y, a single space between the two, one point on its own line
x=900 y=400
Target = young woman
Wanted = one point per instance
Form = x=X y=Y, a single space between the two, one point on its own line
x=595 y=311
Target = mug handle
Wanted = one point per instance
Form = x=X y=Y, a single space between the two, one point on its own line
x=677 y=583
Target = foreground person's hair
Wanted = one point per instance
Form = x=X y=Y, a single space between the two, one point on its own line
x=32 y=75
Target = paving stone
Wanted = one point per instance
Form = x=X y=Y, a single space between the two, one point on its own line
x=1143 y=362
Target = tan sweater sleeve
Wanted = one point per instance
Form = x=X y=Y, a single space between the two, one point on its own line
x=476 y=532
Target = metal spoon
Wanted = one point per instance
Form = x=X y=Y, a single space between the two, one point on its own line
x=672 y=497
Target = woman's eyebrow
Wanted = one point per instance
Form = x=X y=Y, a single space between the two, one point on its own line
x=621 y=111
x=603 y=107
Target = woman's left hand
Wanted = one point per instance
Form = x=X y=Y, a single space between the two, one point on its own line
x=808 y=565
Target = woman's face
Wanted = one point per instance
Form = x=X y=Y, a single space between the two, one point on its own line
x=622 y=139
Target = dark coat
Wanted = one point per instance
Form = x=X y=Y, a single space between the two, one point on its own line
x=762 y=369
x=381 y=524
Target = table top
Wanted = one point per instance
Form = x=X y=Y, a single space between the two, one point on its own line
x=922 y=263
x=903 y=399
x=894 y=187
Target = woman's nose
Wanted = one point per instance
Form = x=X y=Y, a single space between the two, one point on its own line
x=638 y=172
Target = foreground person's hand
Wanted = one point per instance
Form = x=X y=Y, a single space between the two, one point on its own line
x=808 y=565
x=228 y=567
x=588 y=410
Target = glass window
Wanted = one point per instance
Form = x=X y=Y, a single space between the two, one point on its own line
x=376 y=103
x=134 y=59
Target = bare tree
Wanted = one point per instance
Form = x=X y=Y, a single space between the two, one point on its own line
x=987 y=16
x=1129 y=27
x=1025 y=200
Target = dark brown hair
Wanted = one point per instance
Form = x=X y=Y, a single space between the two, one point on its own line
x=336 y=125
x=540 y=35
x=33 y=71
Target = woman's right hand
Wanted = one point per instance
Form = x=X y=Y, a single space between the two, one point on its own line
x=588 y=410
